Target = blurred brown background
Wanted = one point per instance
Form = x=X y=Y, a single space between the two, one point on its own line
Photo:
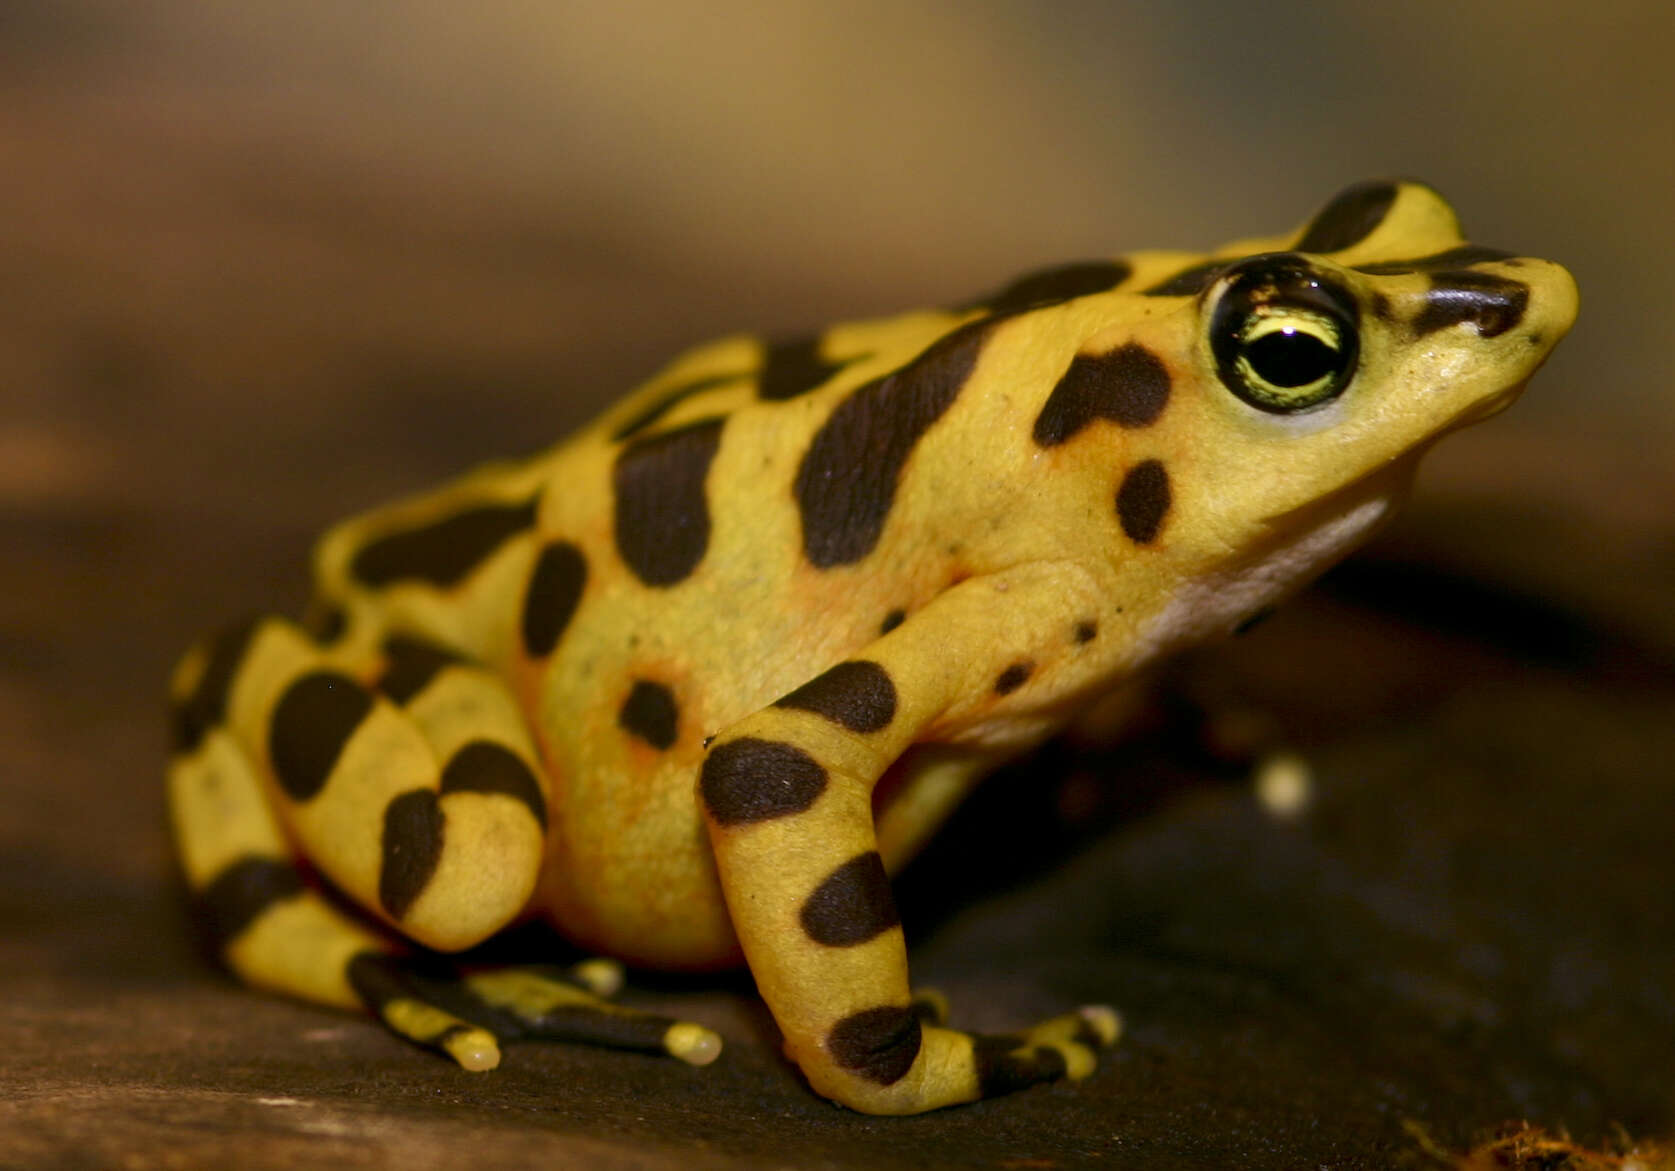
x=264 y=264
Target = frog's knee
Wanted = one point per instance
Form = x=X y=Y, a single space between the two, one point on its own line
x=460 y=861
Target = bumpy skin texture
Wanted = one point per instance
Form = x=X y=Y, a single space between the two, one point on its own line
x=696 y=681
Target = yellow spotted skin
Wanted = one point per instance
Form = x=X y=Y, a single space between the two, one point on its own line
x=695 y=682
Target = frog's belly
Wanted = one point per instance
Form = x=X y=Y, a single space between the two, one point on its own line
x=629 y=873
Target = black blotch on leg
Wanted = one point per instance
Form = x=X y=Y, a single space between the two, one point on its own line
x=311 y=726
x=857 y=694
x=851 y=905
x=879 y=1044
x=412 y=846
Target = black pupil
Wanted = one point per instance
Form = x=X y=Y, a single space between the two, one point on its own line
x=1291 y=358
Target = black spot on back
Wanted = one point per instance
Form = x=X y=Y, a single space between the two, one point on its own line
x=207 y=705
x=243 y=890
x=412 y=844
x=662 y=514
x=847 y=481
x=650 y=713
x=851 y=905
x=1189 y=282
x=311 y=725
x=409 y=666
x=858 y=695
x=1014 y=677
x=750 y=780
x=483 y=766
x=671 y=399
x=444 y=551
x=1054 y=286
x=879 y=1044
x=1128 y=386
x=1087 y=630
x=1463 y=256
x=793 y=367
x=1143 y=501
x=1493 y=304
x=1351 y=217
x=555 y=590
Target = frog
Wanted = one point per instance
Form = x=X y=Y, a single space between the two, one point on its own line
x=695 y=684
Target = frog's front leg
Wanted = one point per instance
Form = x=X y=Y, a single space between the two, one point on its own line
x=788 y=797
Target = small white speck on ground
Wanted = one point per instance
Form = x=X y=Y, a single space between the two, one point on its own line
x=1284 y=784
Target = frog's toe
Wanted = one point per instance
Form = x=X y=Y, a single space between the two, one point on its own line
x=544 y=1004
x=467 y=1017
x=406 y=1002
x=930 y=1006
x=600 y=975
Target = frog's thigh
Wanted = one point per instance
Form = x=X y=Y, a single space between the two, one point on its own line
x=410 y=781
x=787 y=793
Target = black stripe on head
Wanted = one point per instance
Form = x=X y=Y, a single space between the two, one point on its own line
x=858 y=695
x=243 y=891
x=1189 y=282
x=1004 y=1067
x=555 y=590
x=1128 y=386
x=670 y=400
x=409 y=666
x=650 y=712
x=413 y=828
x=662 y=513
x=311 y=725
x=1143 y=501
x=879 y=1044
x=1492 y=304
x=847 y=482
x=793 y=367
x=444 y=551
x=852 y=905
x=1353 y=215
x=483 y=766
x=749 y=780
x=1054 y=286
x=207 y=705
x=1463 y=256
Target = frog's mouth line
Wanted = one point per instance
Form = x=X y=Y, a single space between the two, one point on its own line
x=1486 y=408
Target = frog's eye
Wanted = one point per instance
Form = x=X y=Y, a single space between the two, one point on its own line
x=1283 y=336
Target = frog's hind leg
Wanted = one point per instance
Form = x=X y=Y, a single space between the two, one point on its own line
x=402 y=771
x=265 y=916
x=275 y=928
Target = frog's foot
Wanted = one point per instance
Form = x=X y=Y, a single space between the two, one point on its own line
x=1065 y=1046
x=468 y=1016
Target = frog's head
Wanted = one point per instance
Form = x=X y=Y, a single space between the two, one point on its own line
x=1318 y=368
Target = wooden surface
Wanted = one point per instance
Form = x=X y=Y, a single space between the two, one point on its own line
x=219 y=331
